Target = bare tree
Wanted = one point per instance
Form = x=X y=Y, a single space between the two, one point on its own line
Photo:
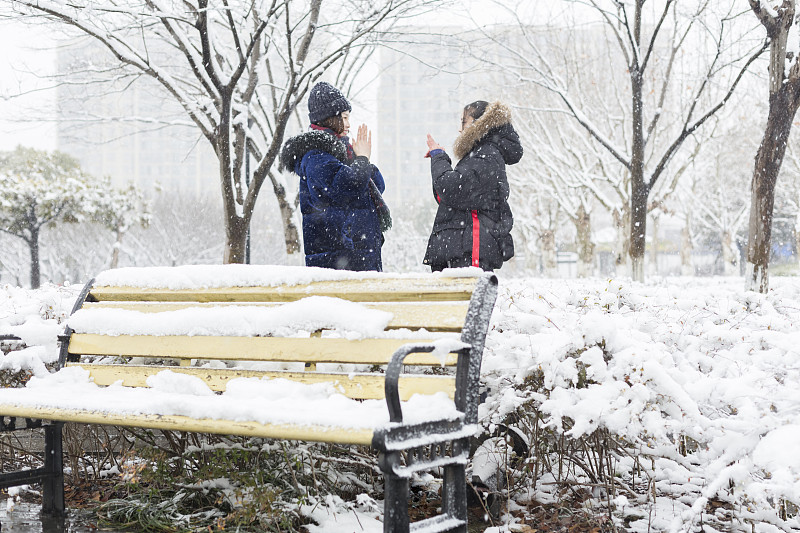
x=118 y=210
x=658 y=113
x=564 y=167
x=238 y=68
x=784 y=99
x=791 y=190
x=537 y=218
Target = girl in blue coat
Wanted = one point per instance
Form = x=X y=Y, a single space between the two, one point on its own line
x=344 y=214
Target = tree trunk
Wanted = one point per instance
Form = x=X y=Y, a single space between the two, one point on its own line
x=687 y=268
x=235 y=240
x=783 y=102
x=638 y=219
x=797 y=237
x=583 y=227
x=654 y=247
x=33 y=244
x=549 y=259
x=235 y=219
x=730 y=257
x=782 y=108
x=621 y=255
x=531 y=256
x=290 y=234
x=117 y=245
x=639 y=189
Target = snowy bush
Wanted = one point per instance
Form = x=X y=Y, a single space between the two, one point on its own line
x=685 y=389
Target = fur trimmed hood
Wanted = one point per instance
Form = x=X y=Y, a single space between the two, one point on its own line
x=495 y=120
x=298 y=146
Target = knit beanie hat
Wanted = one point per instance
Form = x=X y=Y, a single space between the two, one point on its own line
x=325 y=101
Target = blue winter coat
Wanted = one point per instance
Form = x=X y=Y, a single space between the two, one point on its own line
x=341 y=228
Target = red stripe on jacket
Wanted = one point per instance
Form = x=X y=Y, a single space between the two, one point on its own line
x=476 y=239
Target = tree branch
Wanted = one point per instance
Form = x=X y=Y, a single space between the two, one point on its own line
x=689 y=129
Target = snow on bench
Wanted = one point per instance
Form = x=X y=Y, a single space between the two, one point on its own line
x=280 y=352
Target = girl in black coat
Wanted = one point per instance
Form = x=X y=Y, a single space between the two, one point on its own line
x=473 y=223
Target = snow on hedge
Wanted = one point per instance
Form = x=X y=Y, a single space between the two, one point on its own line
x=694 y=360
x=37 y=317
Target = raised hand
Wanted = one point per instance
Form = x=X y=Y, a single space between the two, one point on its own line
x=363 y=143
x=433 y=145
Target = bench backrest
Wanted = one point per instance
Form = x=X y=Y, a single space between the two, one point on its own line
x=128 y=334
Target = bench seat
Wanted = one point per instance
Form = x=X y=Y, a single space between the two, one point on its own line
x=258 y=407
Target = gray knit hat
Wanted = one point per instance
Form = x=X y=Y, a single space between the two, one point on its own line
x=325 y=101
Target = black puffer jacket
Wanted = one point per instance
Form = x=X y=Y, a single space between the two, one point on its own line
x=473 y=222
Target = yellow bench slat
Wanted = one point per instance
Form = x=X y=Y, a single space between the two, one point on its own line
x=312 y=350
x=203 y=425
x=365 y=290
x=445 y=316
x=356 y=386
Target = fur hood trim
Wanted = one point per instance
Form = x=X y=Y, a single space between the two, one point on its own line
x=496 y=115
x=298 y=146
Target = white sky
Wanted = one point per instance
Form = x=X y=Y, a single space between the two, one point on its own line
x=28 y=55
x=23 y=119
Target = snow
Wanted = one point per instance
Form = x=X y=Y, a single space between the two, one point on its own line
x=37 y=318
x=308 y=314
x=680 y=358
x=336 y=516
x=267 y=401
x=699 y=361
x=215 y=276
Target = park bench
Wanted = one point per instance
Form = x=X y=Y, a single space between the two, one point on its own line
x=199 y=349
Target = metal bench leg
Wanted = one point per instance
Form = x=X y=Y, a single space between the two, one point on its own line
x=454 y=490
x=53 y=485
x=395 y=493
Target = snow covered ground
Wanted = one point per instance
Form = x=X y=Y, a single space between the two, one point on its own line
x=695 y=379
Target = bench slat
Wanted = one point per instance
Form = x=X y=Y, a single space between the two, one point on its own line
x=356 y=386
x=367 y=290
x=204 y=425
x=447 y=316
x=312 y=350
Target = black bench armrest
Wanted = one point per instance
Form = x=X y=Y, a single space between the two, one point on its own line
x=63 y=339
x=395 y=368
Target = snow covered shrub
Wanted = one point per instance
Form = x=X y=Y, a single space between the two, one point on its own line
x=666 y=406
x=39 y=189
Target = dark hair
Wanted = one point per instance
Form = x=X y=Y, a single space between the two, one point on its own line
x=336 y=123
x=476 y=109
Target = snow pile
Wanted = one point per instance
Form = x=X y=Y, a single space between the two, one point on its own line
x=333 y=515
x=37 y=317
x=267 y=401
x=308 y=314
x=696 y=377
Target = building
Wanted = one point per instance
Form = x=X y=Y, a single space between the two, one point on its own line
x=420 y=92
x=128 y=129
